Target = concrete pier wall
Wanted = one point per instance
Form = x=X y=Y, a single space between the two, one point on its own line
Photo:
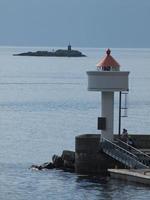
x=88 y=156
x=141 y=141
x=89 y=159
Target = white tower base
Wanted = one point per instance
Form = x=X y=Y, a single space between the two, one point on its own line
x=108 y=112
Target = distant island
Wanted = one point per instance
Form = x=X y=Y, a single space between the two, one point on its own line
x=58 y=53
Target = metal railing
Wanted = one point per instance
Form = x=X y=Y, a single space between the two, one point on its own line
x=122 y=155
x=142 y=157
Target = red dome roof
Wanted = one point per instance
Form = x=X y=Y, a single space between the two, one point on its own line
x=108 y=61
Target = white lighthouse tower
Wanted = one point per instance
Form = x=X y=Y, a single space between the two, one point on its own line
x=108 y=79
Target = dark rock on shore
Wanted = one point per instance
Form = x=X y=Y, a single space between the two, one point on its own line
x=64 y=162
x=57 y=161
x=69 y=159
x=47 y=165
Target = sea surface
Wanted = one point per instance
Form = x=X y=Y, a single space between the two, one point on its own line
x=44 y=104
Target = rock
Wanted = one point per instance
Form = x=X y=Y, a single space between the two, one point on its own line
x=34 y=167
x=37 y=167
x=57 y=161
x=69 y=159
x=53 y=158
x=40 y=167
x=68 y=155
x=64 y=162
x=48 y=165
x=69 y=164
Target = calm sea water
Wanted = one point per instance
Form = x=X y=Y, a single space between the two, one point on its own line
x=44 y=104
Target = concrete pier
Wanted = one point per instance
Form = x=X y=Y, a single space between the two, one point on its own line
x=87 y=159
x=137 y=176
x=88 y=156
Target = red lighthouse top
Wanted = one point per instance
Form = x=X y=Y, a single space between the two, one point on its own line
x=108 y=62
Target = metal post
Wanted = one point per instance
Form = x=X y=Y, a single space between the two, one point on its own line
x=119 y=128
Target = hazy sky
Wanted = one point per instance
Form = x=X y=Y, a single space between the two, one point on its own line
x=85 y=23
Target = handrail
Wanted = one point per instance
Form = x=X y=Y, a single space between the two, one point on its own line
x=127 y=158
x=131 y=147
x=128 y=152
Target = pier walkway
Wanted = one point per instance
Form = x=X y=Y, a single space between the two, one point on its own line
x=137 y=176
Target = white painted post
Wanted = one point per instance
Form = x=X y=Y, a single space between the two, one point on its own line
x=107 y=111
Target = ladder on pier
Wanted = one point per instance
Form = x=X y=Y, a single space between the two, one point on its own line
x=126 y=154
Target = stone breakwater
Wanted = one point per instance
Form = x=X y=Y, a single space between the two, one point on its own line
x=64 y=162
